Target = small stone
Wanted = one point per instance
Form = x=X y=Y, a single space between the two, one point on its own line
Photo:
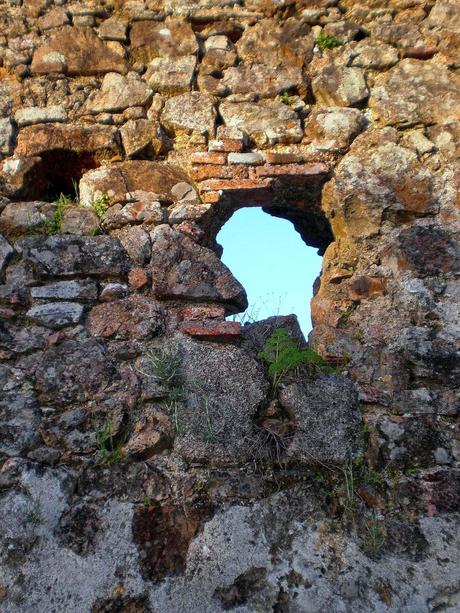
x=118 y=93
x=56 y=314
x=264 y=80
x=183 y=191
x=171 y=38
x=6 y=137
x=181 y=269
x=137 y=278
x=340 y=86
x=333 y=129
x=190 y=112
x=171 y=75
x=136 y=242
x=66 y=290
x=113 y=291
x=55 y=18
x=146 y=211
x=22 y=177
x=246 y=158
x=403 y=96
x=183 y=211
x=266 y=123
x=142 y=137
x=135 y=317
x=113 y=29
x=79 y=221
x=67 y=255
x=30 y=115
x=6 y=251
x=24 y=217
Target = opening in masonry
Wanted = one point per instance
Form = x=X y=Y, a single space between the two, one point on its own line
x=277 y=269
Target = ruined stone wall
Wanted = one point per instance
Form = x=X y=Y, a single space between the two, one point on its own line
x=149 y=462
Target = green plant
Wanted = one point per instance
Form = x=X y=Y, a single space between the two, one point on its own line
x=100 y=205
x=164 y=367
x=285 y=98
x=172 y=406
x=109 y=445
x=147 y=502
x=33 y=511
x=375 y=534
x=53 y=225
x=346 y=314
x=325 y=41
x=282 y=355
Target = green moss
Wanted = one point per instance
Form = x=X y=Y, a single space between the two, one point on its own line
x=324 y=41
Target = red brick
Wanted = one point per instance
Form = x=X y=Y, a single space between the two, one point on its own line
x=210 y=172
x=304 y=170
x=201 y=312
x=273 y=157
x=235 y=184
x=203 y=157
x=227 y=145
x=212 y=330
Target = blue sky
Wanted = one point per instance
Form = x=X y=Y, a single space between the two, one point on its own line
x=275 y=266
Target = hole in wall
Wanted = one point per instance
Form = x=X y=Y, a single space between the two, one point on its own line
x=275 y=266
x=62 y=170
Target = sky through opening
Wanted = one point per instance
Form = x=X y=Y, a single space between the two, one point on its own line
x=277 y=269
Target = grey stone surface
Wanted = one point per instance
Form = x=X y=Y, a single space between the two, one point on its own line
x=19 y=415
x=30 y=115
x=6 y=136
x=6 y=251
x=182 y=269
x=266 y=122
x=224 y=388
x=64 y=256
x=314 y=405
x=56 y=314
x=75 y=289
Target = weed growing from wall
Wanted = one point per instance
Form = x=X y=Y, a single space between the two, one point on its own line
x=283 y=356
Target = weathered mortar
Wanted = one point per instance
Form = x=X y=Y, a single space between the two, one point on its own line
x=167 y=116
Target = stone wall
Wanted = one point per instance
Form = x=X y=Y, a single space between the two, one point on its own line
x=148 y=461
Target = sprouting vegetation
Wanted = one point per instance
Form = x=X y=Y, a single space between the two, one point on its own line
x=33 y=512
x=346 y=314
x=283 y=355
x=109 y=445
x=325 y=41
x=100 y=205
x=54 y=225
x=164 y=366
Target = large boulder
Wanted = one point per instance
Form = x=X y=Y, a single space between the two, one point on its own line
x=190 y=112
x=132 y=180
x=118 y=93
x=266 y=123
x=170 y=38
x=67 y=255
x=76 y=52
x=314 y=405
x=223 y=389
x=182 y=269
x=416 y=92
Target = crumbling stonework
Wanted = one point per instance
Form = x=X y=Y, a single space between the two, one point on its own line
x=148 y=461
